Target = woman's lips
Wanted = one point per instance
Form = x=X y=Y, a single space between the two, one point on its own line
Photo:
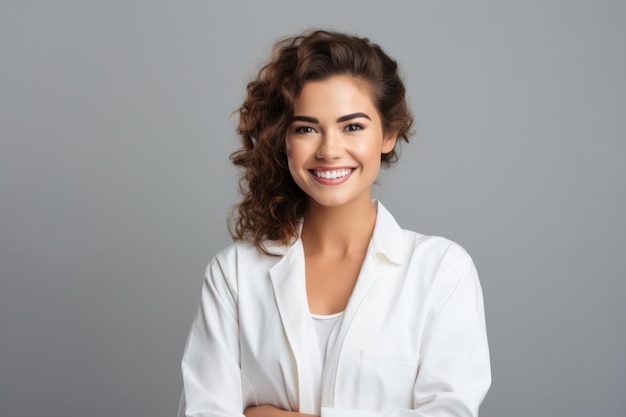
x=332 y=176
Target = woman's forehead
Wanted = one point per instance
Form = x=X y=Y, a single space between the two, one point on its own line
x=337 y=95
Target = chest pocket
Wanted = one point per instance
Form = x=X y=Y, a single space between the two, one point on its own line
x=387 y=381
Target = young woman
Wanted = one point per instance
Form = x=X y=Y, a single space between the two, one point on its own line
x=324 y=305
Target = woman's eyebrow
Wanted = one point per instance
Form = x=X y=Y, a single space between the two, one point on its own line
x=352 y=116
x=339 y=120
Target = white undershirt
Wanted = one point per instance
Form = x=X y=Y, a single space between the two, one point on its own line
x=324 y=325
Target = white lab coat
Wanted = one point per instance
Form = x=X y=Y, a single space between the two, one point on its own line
x=411 y=341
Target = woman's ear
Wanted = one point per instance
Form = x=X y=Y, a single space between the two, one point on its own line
x=389 y=141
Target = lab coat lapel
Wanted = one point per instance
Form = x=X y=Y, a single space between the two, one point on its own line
x=368 y=276
x=288 y=280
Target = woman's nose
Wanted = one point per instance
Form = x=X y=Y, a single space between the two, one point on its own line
x=330 y=146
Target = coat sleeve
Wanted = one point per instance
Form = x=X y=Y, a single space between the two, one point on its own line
x=211 y=363
x=454 y=372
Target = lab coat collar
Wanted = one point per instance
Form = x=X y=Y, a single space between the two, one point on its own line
x=386 y=239
x=388 y=236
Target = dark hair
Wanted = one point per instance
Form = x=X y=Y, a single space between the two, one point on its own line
x=272 y=203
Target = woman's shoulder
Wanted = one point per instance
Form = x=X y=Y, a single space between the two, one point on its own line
x=245 y=253
x=238 y=262
x=439 y=265
x=436 y=246
x=236 y=250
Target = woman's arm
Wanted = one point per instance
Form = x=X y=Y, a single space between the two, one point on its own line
x=454 y=371
x=210 y=365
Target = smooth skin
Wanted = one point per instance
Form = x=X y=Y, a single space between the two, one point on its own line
x=336 y=130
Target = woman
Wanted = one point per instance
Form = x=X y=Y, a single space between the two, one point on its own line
x=324 y=305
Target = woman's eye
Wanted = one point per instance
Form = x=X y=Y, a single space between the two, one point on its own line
x=304 y=129
x=354 y=127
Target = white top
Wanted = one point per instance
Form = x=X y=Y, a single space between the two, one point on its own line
x=324 y=326
x=411 y=341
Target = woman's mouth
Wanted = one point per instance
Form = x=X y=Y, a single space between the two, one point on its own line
x=331 y=176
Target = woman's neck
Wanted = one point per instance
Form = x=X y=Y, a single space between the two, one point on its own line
x=338 y=231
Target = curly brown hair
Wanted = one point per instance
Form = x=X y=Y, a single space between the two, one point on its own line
x=272 y=203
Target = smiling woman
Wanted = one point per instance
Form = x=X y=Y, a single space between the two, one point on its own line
x=324 y=305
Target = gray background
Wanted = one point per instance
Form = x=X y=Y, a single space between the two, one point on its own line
x=115 y=184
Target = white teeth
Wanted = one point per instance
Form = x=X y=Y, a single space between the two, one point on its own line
x=336 y=173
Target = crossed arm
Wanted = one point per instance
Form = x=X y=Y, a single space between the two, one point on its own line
x=271 y=411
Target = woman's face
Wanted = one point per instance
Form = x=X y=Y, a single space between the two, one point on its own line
x=335 y=141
